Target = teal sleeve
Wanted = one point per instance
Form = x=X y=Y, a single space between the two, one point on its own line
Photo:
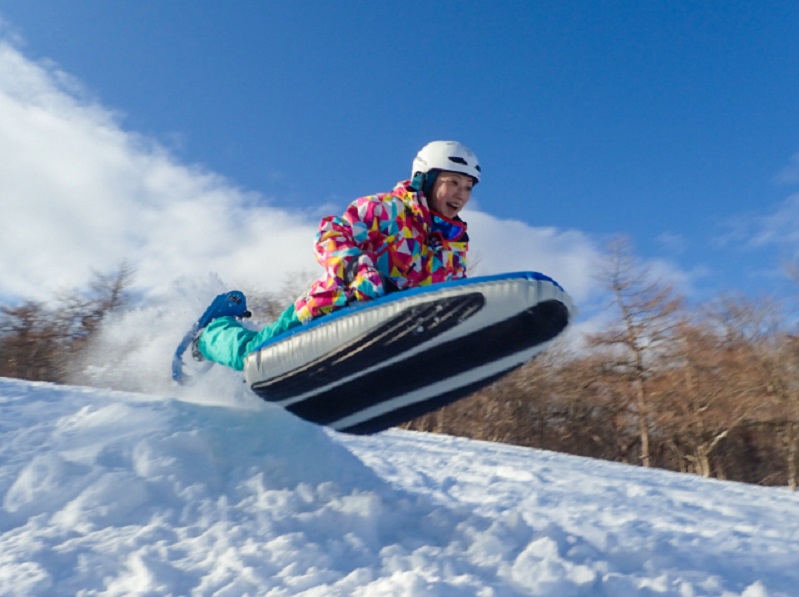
x=227 y=342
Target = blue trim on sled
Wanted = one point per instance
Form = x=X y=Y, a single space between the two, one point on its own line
x=401 y=294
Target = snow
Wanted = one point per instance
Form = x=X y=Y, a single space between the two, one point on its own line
x=121 y=493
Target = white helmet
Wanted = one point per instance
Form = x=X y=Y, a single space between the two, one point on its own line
x=446 y=155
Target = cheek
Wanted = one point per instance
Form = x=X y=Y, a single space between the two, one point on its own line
x=439 y=198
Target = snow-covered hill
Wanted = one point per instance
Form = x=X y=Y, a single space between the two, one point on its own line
x=112 y=493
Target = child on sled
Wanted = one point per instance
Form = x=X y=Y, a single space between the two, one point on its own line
x=408 y=237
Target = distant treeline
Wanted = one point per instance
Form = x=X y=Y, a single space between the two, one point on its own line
x=40 y=341
x=712 y=390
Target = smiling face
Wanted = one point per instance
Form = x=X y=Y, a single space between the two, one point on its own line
x=451 y=192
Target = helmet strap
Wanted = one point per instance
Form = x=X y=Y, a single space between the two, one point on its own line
x=429 y=182
x=417 y=182
x=424 y=182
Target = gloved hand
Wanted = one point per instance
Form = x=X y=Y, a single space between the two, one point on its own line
x=367 y=284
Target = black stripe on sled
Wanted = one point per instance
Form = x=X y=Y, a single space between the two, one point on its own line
x=527 y=329
x=413 y=326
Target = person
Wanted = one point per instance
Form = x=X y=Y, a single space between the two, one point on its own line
x=412 y=236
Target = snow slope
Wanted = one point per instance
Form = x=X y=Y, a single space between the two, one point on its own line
x=114 y=493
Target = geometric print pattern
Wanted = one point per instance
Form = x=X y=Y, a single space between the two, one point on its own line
x=379 y=244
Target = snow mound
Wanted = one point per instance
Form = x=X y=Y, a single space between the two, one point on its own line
x=115 y=493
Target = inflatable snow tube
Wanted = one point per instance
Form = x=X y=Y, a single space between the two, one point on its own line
x=376 y=364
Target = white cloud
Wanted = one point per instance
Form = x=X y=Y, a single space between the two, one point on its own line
x=79 y=195
x=568 y=256
x=781 y=226
x=673 y=243
x=789 y=174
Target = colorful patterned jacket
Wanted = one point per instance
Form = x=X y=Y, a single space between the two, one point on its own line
x=380 y=244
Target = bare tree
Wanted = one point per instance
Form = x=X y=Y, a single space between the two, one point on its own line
x=707 y=391
x=38 y=342
x=641 y=334
x=29 y=342
x=757 y=328
x=268 y=305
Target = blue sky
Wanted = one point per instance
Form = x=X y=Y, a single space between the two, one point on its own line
x=676 y=123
